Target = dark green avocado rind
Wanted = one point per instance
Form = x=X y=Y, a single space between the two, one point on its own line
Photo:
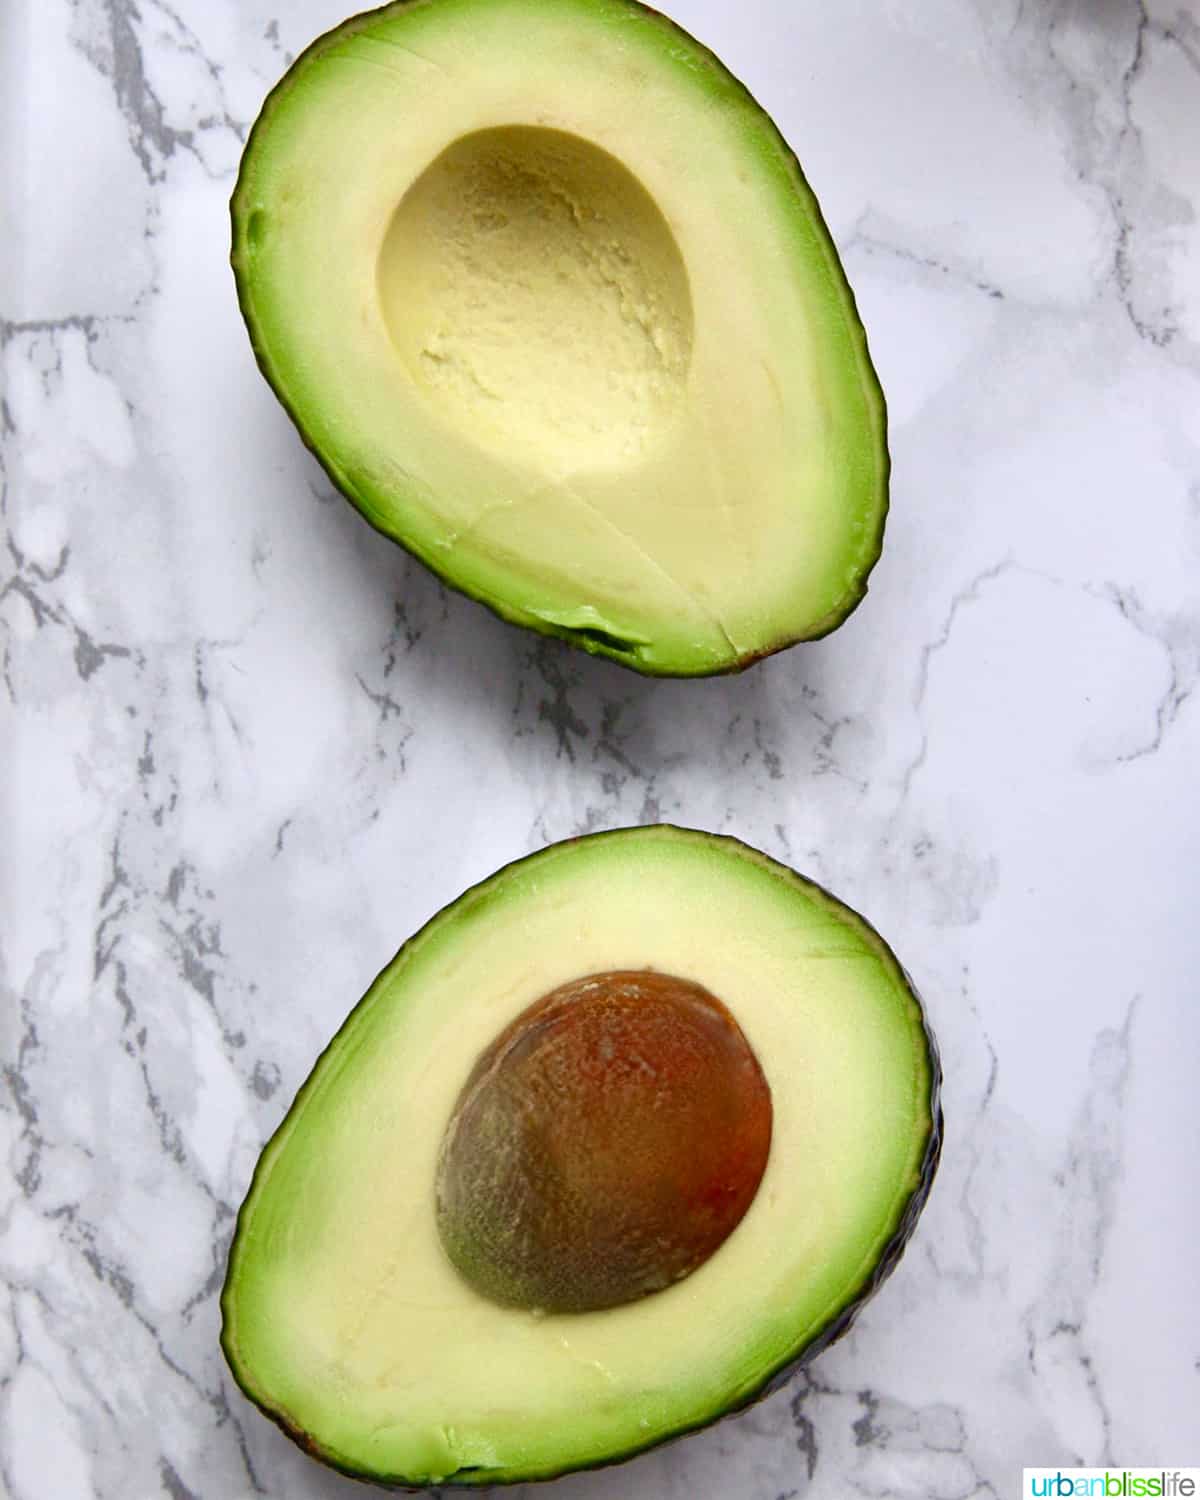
x=595 y=642
x=840 y=1319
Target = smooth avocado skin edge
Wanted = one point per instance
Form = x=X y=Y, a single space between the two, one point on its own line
x=258 y=1291
x=735 y=503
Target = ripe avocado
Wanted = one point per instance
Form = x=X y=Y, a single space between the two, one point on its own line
x=546 y=292
x=349 y=1316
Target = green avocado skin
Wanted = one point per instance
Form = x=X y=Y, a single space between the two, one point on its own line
x=773 y=1379
x=594 y=642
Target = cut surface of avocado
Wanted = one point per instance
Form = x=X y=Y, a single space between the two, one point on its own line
x=346 y=1320
x=546 y=292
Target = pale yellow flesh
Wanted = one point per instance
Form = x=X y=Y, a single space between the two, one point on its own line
x=344 y=1305
x=612 y=380
x=539 y=299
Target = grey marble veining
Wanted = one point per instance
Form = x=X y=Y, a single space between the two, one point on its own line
x=249 y=747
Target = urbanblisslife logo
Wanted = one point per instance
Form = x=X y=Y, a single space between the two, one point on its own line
x=1121 y=1483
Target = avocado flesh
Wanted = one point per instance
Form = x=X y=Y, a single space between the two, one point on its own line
x=546 y=292
x=345 y=1321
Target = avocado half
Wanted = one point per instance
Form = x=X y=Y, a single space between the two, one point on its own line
x=346 y=1322
x=545 y=291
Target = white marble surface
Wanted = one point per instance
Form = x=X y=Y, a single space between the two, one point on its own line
x=249 y=747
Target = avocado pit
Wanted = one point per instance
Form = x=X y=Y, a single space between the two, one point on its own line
x=605 y=1144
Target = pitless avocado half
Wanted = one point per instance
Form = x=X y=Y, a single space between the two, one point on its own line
x=547 y=294
x=617 y=1140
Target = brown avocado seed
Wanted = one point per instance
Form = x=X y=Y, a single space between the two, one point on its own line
x=604 y=1145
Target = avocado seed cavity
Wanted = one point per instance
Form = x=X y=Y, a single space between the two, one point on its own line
x=539 y=299
x=605 y=1144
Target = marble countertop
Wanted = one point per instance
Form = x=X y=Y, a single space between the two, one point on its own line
x=250 y=747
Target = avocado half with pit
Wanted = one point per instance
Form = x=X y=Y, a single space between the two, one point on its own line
x=547 y=294
x=617 y=1140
